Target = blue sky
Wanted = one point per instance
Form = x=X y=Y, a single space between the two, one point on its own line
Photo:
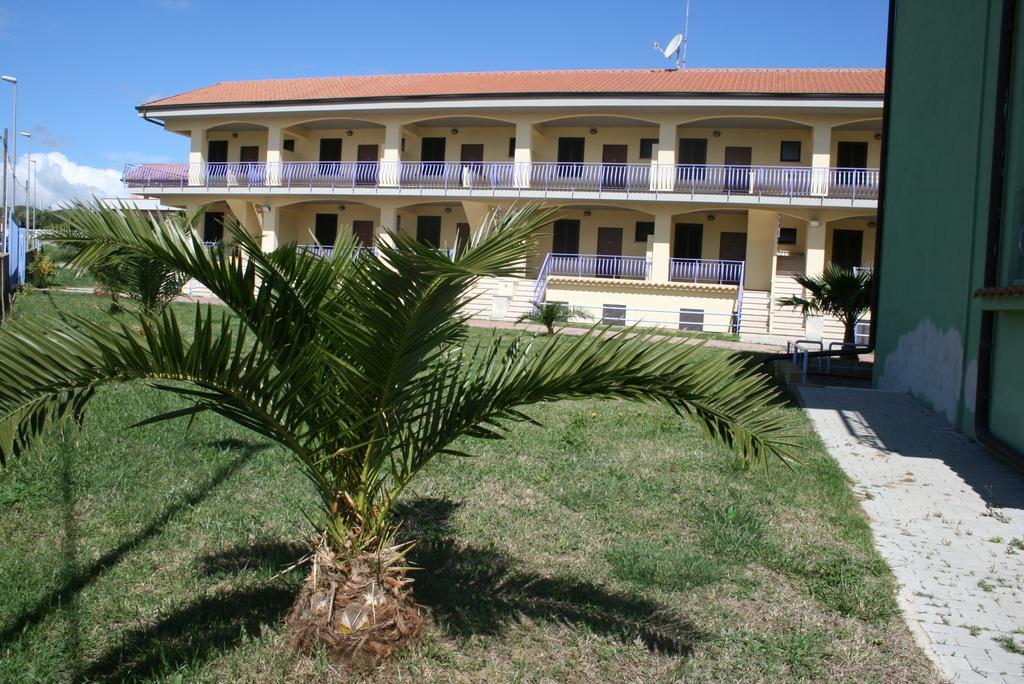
x=95 y=61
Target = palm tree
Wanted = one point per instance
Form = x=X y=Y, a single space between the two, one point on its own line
x=839 y=292
x=551 y=314
x=149 y=283
x=364 y=371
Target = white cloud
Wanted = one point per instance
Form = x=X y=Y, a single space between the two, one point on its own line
x=59 y=179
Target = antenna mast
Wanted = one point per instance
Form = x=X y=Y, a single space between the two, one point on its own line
x=686 y=35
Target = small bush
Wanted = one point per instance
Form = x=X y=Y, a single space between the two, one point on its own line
x=42 y=271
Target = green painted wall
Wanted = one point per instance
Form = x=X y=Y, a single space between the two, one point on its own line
x=941 y=118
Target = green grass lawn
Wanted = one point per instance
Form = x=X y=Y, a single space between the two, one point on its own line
x=612 y=544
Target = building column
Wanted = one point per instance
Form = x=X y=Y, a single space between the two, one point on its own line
x=197 y=157
x=821 y=159
x=268 y=226
x=659 y=247
x=523 y=154
x=663 y=161
x=762 y=243
x=388 y=222
x=814 y=251
x=391 y=156
x=814 y=266
x=275 y=144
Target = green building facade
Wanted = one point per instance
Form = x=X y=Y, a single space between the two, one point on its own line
x=950 y=326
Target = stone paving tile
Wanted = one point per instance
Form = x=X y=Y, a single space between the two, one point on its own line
x=947 y=517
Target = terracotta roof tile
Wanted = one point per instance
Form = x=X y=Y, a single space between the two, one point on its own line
x=828 y=82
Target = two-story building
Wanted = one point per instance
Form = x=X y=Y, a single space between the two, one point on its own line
x=689 y=197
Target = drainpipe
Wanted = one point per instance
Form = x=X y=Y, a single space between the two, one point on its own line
x=879 y=228
x=983 y=398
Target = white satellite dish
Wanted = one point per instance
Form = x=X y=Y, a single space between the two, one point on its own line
x=677 y=46
x=673 y=45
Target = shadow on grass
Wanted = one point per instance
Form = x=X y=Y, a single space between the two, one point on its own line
x=272 y=555
x=75 y=578
x=192 y=634
x=469 y=591
x=474 y=591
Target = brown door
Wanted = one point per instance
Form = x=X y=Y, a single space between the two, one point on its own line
x=428 y=231
x=847 y=248
x=367 y=157
x=471 y=157
x=249 y=155
x=363 y=230
x=609 y=250
x=325 y=229
x=461 y=235
x=737 y=172
x=472 y=154
x=613 y=166
x=732 y=247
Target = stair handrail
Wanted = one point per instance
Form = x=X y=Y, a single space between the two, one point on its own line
x=540 y=289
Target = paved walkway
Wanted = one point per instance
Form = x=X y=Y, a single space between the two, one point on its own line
x=947 y=517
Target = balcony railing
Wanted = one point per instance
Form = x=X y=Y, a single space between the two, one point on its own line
x=600 y=266
x=705 y=271
x=546 y=177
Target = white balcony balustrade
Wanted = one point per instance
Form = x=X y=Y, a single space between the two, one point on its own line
x=599 y=266
x=546 y=178
x=705 y=271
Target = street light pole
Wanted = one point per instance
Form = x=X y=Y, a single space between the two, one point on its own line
x=14 y=171
x=33 y=171
x=28 y=182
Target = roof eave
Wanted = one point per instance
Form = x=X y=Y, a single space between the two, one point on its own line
x=481 y=96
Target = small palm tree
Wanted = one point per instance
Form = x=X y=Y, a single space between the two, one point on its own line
x=364 y=371
x=149 y=283
x=551 y=314
x=838 y=292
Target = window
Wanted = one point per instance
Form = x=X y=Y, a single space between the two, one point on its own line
x=787 y=236
x=644 y=229
x=789 y=151
x=647 y=147
x=289 y=144
x=613 y=314
x=691 y=319
x=512 y=147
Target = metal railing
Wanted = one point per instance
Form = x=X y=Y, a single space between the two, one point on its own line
x=547 y=177
x=706 y=271
x=599 y=266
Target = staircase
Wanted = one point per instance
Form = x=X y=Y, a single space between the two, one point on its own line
x=501 y=299
x=787 y=321
x=754 y=322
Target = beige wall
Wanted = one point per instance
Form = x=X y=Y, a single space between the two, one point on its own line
x=449 y=222
x=308 y=148
x=545 y=146
x=493 y=138
x=713 y=229
x=243 y=139
x=612 y=218
x=654 y=305
x=297 y=220
x=874 y=146
x=765 y=143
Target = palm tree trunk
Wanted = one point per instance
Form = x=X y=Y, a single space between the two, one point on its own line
x=850 y=336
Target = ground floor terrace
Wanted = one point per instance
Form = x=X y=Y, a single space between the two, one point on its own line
x=711 y=269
